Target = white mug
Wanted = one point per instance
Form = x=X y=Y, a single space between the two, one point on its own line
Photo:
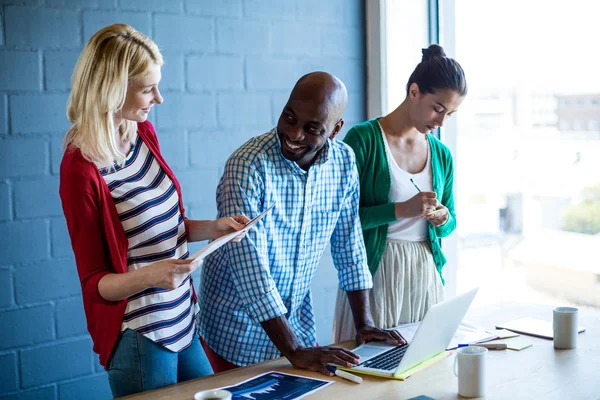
x=218 y=394
x=471 y=370
x=565 y=322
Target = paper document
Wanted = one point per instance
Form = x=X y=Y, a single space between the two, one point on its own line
x=504 y=334
x=276 y=385
x=467 y=333
x=217 y=243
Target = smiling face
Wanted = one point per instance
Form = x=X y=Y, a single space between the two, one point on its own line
x=303 y=130
x=429 y=111
x=311 y=116
x=142 y=94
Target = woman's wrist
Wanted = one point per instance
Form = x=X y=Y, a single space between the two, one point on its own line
x=199 y=230
x=447 y=218
x=398 y=209
x=145 y=276
x=211 y=229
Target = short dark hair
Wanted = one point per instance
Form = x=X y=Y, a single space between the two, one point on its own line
x=436 y=71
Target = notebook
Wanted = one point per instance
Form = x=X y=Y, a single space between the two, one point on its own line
x=532 y=327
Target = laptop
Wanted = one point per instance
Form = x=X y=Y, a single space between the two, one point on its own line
x=430 y=340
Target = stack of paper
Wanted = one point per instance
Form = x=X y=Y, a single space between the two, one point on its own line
x=469 y=333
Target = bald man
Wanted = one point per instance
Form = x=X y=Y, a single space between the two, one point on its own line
x=255 y=298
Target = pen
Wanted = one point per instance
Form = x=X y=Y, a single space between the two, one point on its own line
x=414 y=184
x=489 y=346
x=344 y=374
x=419 y=189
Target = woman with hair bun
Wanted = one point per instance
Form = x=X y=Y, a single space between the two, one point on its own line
x=406 y=199
x=126 y=220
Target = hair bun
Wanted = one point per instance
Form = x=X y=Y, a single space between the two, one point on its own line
x=434 y=50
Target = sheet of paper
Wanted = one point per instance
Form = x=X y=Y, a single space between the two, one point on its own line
x=504 y=334
x=276 y=385
x=408 y=330
x=217 y=243
x=467 y=332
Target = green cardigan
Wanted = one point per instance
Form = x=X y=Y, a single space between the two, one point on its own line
x=376 y=210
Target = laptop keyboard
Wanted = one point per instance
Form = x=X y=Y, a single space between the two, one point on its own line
x=387 y=361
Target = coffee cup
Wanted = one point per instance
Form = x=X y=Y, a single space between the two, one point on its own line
x=565 y=322
x=218 y=394
x=471 y=361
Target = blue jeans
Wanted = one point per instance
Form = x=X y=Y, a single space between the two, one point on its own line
x=138 y=364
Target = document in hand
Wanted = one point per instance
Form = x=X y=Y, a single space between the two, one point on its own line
x=217 y=243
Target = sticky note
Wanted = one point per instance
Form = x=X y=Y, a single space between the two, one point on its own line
x=518 y=344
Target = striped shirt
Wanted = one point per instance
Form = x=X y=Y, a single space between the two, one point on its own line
x=269 y=273
x=148 y=207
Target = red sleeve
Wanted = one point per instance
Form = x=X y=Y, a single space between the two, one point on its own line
x=80 y=202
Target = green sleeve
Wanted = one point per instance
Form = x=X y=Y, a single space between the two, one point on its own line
x=370 y=216
x=448 y=198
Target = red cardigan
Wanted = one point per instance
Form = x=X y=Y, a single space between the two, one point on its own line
x=98 y=238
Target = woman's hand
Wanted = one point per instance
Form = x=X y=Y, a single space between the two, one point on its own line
x=440 y=217
x=223 y=226
x=168 y=274
x=419 y=205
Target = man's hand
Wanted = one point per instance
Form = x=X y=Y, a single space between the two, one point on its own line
x=368 y=333
x=317 y=358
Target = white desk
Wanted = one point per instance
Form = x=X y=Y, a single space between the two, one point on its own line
x=539 y=372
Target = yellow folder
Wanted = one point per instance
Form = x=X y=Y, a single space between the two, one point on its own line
x=408 y=372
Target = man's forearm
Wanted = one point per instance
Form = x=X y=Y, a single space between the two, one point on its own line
x=281 y=334
x=361 y=309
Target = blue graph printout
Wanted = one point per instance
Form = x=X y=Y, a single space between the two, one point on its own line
x=276 y=386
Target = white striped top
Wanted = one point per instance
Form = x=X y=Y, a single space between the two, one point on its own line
x=148 y=206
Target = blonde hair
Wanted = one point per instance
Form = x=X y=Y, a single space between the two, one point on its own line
x=111 y=59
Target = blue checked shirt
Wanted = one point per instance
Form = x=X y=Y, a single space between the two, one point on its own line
x=269 y=273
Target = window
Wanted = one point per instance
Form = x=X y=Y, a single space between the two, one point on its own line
x=528 y=217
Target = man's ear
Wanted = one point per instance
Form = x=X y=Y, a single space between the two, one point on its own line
x=337 y=128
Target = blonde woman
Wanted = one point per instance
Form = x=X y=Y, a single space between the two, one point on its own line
x=126 y=219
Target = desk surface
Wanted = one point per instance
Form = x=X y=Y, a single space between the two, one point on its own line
x=539 y=372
